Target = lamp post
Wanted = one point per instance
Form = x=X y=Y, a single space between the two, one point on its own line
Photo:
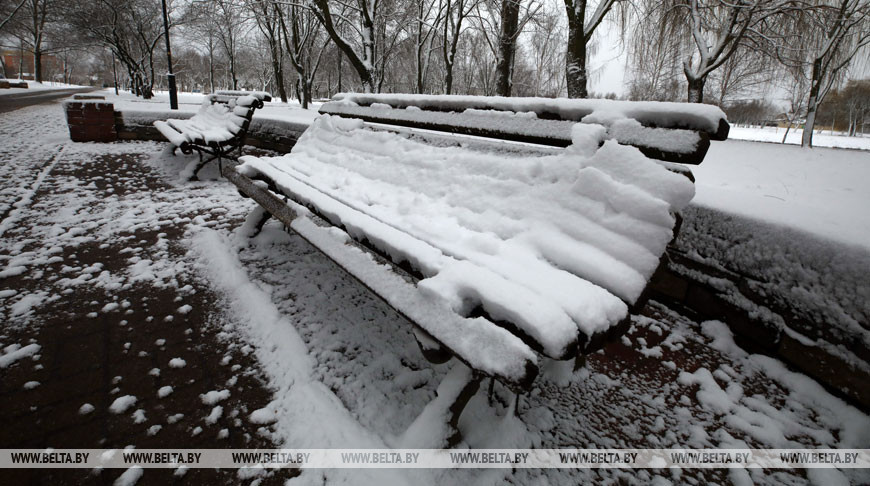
x=173 y=94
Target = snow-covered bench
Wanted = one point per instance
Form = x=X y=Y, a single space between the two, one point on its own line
x=219 y=127
x=501 y=228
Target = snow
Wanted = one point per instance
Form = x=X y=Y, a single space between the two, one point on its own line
x=130 y=477
x=139 y=416
x=263 y=416
x=822 y=138
x=821 y=191
x=214 y=415
x=121 y=404
x=212 y=123
x=552 y=132
x=15 y=352
x=550 y=243
x=693 y=116
x=34 y=86
x=189 y=104
x=164 y=391
x=214 y=397
x=177 y=363
x=344 y=367
x=86 y=409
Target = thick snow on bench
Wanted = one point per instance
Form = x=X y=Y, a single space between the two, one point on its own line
x=691 y=116
x=624 y=130
x=216 y=122
x=553 y=244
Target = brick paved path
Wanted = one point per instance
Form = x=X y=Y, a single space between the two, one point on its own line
x=108 y=324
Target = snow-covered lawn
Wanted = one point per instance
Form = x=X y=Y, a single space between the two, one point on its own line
x=823 y=191
x=345 y=369
x=34 y=86
x=822 y=138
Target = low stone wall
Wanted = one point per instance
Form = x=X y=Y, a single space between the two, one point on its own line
x=92 y=119
x=6 y=84
x=782 y=292
x=265 y=133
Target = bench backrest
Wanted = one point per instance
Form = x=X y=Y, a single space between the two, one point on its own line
x=672 y=132
x=235 y=107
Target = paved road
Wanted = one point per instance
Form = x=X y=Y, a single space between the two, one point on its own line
x=14 y=101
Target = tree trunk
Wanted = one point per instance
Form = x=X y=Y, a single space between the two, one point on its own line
x=448 y=79
x=807 y=136
x=278 y=69
x=510 y=17
x=306 y=92
x=299 y=92
x=37 y=64
x=339 y=70
x=418 y=55
x=575 y=57
x=812 y=104
x=696 y=89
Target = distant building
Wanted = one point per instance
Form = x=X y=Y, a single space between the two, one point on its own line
x=20 y=63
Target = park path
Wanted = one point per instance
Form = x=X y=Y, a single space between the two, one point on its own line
x=96 y=305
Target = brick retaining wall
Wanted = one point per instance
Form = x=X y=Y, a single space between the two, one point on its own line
x=90 y=119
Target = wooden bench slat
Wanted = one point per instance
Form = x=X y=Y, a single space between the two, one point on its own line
x=477 y=342
x=351 y=220
x=656 y=143
x=561 y=318
x=695 y=116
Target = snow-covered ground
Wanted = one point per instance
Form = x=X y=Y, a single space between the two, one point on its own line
x=820 y=190
x=822 y=138
x=190 y=103
x=34 y=86
x=345 y=369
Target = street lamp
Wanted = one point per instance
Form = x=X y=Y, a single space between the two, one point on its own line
x=173 y=94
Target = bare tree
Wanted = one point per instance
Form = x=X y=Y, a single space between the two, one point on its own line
x=507 y=40
x=455 y=14
x=304 y=44
x=655 y=61
x=797 y=89
x=6 y=15
x=547 y=55
x=707 y=33
x=819 y=43
x=365 y=13
x=201 y=31
x=581 y=27
x=267 y=16
x=129 y=28
x=30 y=26
x=428 y=19
x=747 y=71
x=230 y=28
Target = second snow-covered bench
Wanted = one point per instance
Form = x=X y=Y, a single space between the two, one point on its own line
x=219 y=127
x=498 y=250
